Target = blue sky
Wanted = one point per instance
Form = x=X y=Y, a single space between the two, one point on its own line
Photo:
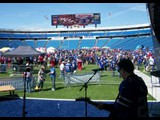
x=34 y=15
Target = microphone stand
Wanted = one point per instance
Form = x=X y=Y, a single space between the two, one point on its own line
x=86 y=86
x=24 y=95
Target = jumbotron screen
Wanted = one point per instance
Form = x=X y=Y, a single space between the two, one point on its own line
x=76 y=19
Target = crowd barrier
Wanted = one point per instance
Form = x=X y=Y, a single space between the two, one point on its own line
x=3 y=67
x=20 y=68
x=82 y=78
x=14 y=67
x=17 y=82
x=69 y=79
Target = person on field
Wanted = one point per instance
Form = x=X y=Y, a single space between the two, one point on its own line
x=41 y=77
x=52 y=75
x=28 y=75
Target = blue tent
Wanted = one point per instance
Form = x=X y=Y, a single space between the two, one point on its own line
x=139 y=47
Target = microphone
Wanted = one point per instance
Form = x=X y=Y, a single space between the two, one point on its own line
x=99 y=69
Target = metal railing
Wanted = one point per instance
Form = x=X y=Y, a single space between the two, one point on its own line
x=81 y=79
x=3 y=67
x=17 y=82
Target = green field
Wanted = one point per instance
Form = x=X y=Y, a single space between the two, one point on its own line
x=106 y=89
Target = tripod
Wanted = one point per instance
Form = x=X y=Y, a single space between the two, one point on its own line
x=86 y=86
x=24 y=95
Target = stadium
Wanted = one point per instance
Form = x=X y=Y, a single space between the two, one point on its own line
x=120 y=37
x=80 y=42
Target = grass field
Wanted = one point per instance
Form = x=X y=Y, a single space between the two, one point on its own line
x=106 y=89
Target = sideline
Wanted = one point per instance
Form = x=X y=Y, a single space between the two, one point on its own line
x=152 y=84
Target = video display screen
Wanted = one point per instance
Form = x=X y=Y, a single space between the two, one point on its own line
x=76 y=19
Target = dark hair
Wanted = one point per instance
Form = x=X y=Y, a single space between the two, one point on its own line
x=28 y=69
x=126 y=64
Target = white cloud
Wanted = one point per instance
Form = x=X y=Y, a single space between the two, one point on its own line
x=24 y=14
x=140 y=8
x=136 y=7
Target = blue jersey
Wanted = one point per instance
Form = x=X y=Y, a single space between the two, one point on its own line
x=68 y=67
x=53 y=72
x=74 y=65
x=101 y=64
x=113 y=65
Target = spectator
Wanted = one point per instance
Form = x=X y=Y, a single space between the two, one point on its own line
x=52 y=62
x=113 y=67
x=67 y=67
x=28 y=79
x=74 y=66
x=52 y=74
x=68 y=71
x=101 y=63
x=152 y=63
x=61 y=67
x=41 y=77
x=40 y=59
x=45 y=61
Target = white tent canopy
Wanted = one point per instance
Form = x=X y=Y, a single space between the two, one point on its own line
x=51 y=50
x=106 y=47
x=41 y=49
x=5 y=49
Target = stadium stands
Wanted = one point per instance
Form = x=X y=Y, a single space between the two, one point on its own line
x=124 y=37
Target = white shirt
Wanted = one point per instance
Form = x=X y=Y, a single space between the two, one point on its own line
x=151 y=61
x=28 y=74
x=61 y=67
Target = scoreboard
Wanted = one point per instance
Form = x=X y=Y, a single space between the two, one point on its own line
x=75 y=19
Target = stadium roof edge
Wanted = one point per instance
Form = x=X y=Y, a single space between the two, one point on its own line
x=55 y=30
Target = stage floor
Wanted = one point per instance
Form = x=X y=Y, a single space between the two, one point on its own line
x=41 y=107
x=48 y=108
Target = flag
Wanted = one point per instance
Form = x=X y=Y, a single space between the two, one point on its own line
x=46 y=17
x=109 y=14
